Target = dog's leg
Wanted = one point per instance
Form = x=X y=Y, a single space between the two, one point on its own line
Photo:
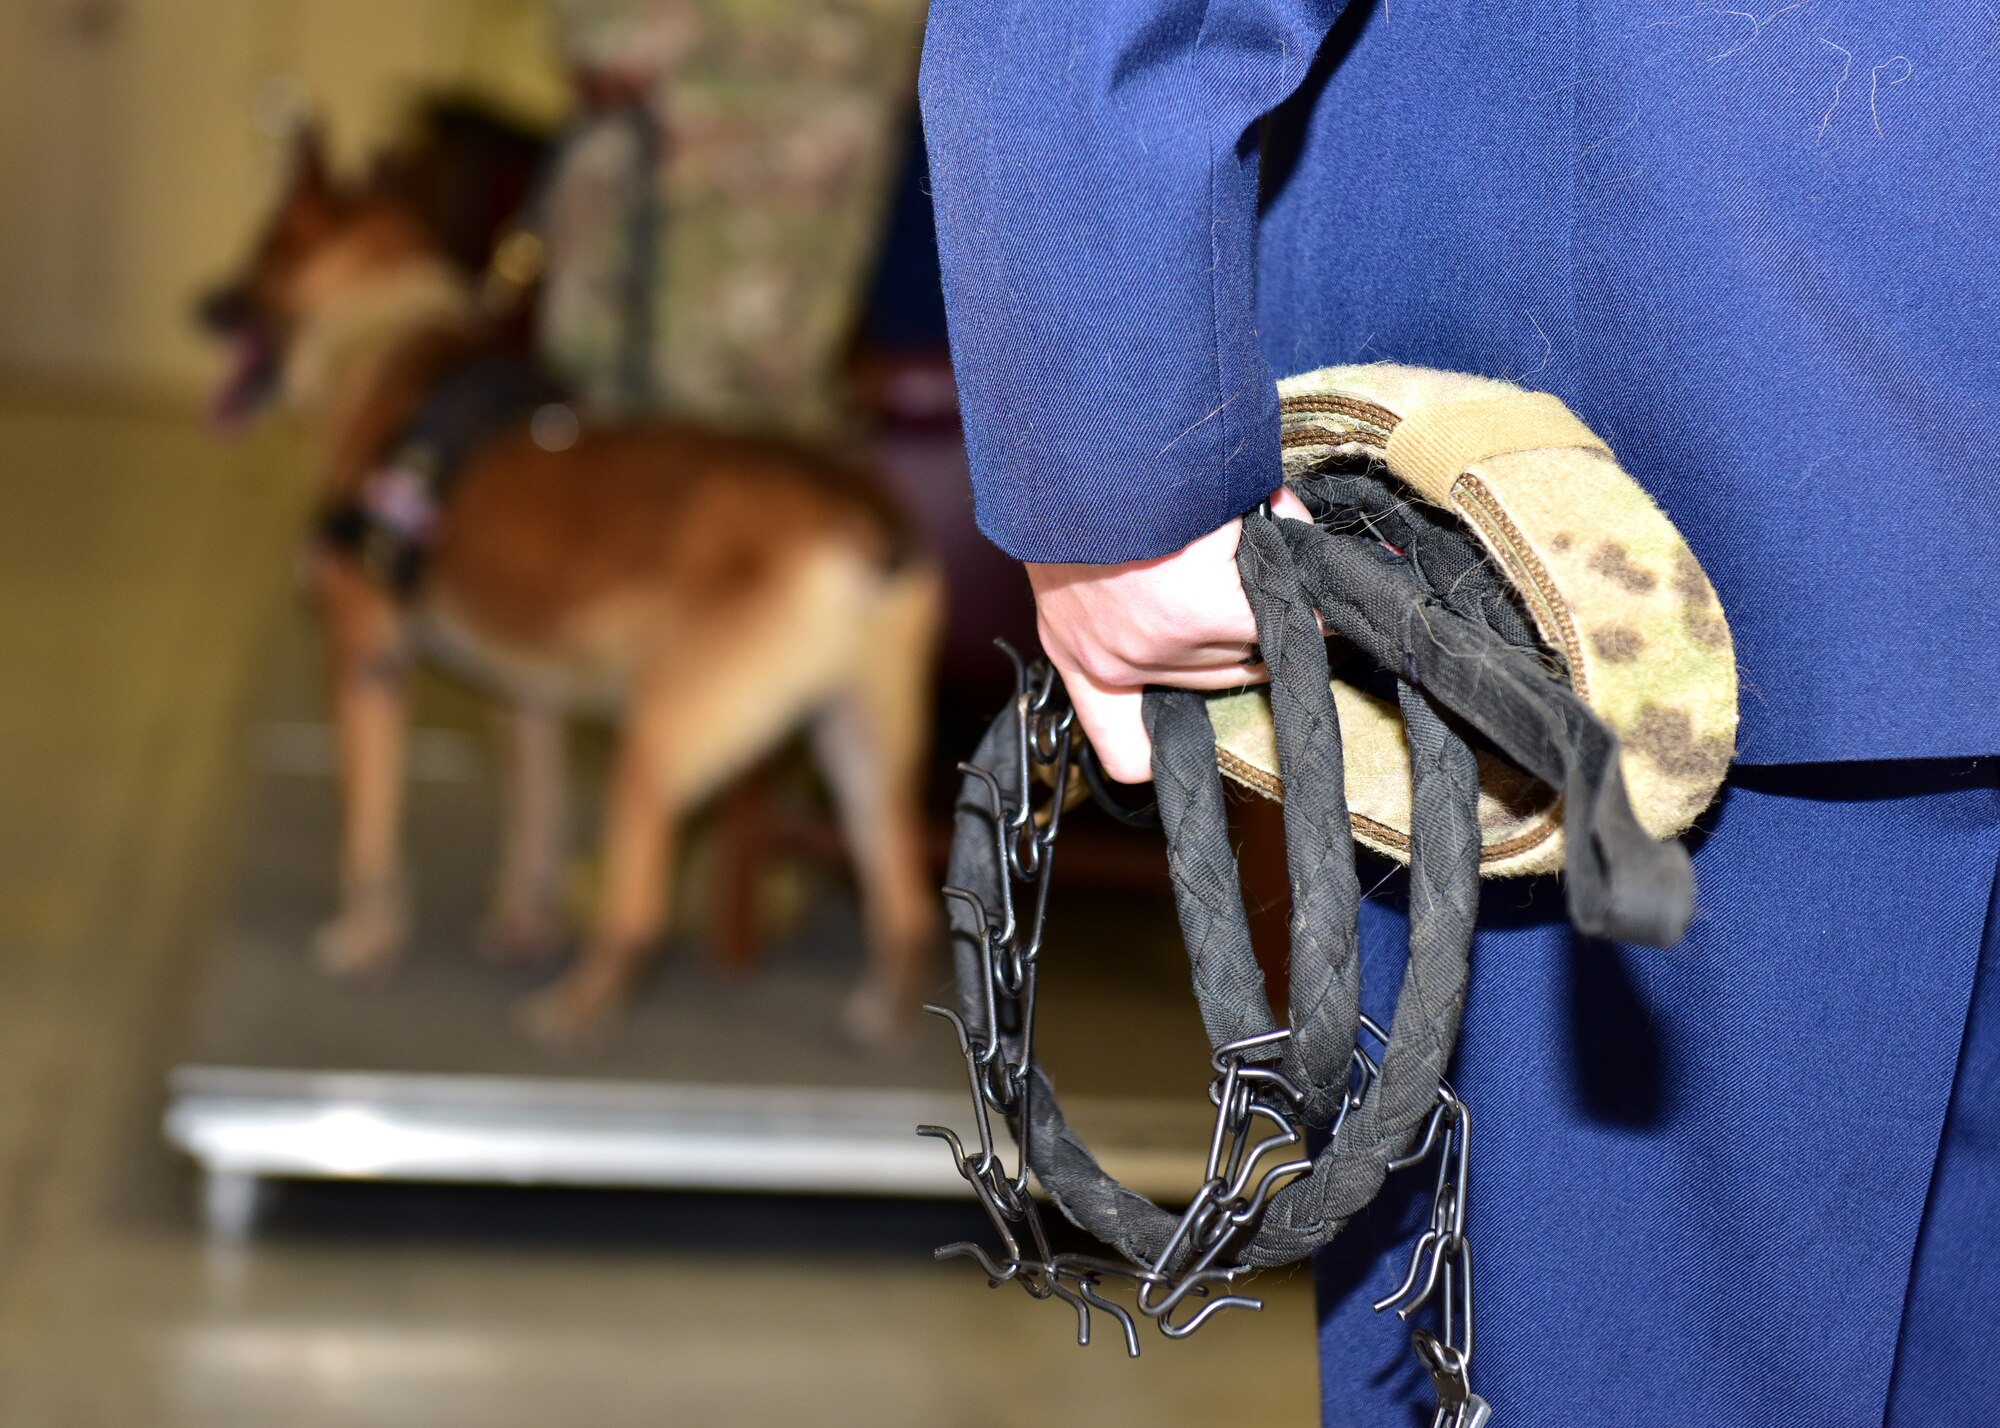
x=370 y=679
x=640 y=808
x=525 y=923
x=702 y=714
x=872 y=741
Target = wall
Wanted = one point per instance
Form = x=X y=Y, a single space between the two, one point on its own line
x=140 y=139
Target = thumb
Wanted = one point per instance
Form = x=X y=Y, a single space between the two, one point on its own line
x=1285 y=502
x=1111 y=719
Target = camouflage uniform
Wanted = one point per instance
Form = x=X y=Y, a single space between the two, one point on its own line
x=779 y=125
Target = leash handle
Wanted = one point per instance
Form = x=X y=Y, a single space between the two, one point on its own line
x=1260 y=1203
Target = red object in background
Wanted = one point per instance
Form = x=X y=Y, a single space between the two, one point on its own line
x=917 y=446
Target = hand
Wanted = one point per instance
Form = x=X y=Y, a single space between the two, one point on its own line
x=1179 y=619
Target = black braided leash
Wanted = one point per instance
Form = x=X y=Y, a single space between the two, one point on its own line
x=1411 y=594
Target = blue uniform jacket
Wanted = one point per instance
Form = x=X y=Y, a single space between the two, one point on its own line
x=1757 y=250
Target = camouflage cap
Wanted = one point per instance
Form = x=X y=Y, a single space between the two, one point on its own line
x=1611 y=593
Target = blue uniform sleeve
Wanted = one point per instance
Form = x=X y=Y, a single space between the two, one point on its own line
x=1094 y=165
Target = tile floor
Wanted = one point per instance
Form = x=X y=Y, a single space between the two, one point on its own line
x=142 y=569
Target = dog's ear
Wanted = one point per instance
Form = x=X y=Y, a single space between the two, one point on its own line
x=312 y=176
x=314 y=198
x=391 y=175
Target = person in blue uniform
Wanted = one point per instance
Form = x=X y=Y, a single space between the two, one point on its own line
x=1752 y=1179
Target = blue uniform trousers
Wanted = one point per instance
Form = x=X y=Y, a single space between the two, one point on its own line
x=1720 y=1184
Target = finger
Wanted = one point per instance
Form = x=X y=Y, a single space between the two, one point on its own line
x=1111 y=720
x=1145 y=667
x=1219 y=658
x=1224 y=676
x=1285 y=502
x=1213 y=654
x=1203 y=666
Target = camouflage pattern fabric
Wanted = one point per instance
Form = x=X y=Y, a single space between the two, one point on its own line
x=1610 y=587
x=780 y=124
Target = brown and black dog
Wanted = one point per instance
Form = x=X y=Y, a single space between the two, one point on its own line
x=713 y=593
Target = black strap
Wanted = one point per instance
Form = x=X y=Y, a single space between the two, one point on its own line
x=1454 y=673
x=470 y=405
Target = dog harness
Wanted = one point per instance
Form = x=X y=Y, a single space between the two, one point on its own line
x=1489 y=653
x=390 y=520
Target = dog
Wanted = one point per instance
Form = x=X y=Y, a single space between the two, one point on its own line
x=712 y=592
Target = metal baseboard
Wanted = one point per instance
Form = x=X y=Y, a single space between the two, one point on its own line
x=713 y=1083
x=238 y=1121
